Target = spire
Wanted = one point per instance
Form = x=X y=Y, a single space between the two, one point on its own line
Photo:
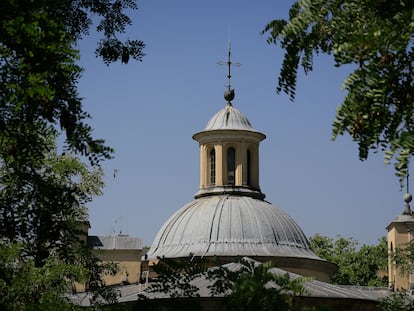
x=407 y=199
x=229 y=93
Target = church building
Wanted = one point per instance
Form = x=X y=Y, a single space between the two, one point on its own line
x=229 y=217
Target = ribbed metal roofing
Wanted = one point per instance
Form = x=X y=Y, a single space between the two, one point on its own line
x=229 y=118
x=313 y=288
x=230 y=225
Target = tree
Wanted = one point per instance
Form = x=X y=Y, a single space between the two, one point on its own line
x=174 y=277
x=356 y=266
x=42 y=192
x=376 y=38
x=252 y=286
x=396 y=302
x=403 y=258
x=42 y=208
x=42 y=248
x=39 y=73
x=256 y=287
x=38 y=100
x=23 y=286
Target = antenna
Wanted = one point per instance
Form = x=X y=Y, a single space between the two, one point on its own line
x=117 y=228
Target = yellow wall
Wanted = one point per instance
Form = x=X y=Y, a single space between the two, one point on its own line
x=221 y=141
x=129 y=265
x=399 y=234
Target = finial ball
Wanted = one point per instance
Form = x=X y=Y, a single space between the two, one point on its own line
x=407 y=198
x=229 y=95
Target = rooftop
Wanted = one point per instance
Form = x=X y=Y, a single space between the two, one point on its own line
x=119 y=242
x=230 y=225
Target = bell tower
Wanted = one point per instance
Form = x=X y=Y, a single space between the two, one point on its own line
x=400 y=233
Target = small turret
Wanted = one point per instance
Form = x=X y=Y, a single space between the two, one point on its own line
x=400 y=232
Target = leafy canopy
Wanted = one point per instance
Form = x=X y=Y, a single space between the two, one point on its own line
x=39 y=71
x=255 y=286
x=42 y=192
x=403 y=258
x=42 y=207
x=174 y=280
x=251 y=286
x=42 y=251
x=356 y=265
x=397 y=301
x=376 y=38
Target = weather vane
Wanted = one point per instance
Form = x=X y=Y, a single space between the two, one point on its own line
x=407 y=198
x=229 y=94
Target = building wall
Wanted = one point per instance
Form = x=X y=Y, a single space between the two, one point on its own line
x=122 y=250
x=129 y=265
x=399 y=234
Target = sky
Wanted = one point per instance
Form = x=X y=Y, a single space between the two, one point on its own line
x=148 y=111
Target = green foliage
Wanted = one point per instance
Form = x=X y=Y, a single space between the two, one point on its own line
x=256 y=287
x=356 y=266
x=23 y=286
x=252 y=286
x=41 y=253
x=39 y=71
x=93 y=280
x=174 y=281
x=376 y=38
x=174 y=276
x=403 y=258
x=397 y=302
x=43 y=205
x=43 y=193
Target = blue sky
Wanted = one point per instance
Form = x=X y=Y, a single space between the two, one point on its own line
x=149 y=110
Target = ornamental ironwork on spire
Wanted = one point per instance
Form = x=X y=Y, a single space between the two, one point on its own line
x=407 y=199
x=229 y=93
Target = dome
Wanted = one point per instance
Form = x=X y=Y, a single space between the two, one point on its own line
x=229 y=118
x=230 y=225
x=229 y=217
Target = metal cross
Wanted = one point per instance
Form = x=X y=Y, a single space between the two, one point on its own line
x=229 y=64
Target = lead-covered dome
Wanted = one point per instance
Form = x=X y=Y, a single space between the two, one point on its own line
x=229 y=118
x=230 y=225
x=229 y=217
